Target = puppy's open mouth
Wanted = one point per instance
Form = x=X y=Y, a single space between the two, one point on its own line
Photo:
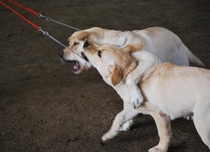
x=76 y=66
x=84 y=56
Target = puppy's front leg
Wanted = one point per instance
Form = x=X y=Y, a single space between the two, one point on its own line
x=146 y=61
x=126 y=126
x=135 y=95
x=124 y=116
x=136 y=98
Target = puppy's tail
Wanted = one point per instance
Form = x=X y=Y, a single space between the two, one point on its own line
x=194 y=60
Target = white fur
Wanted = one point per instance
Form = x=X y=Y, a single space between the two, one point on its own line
x=170 y=92
x=146 y=61
x=162 y=43
x=159 y=41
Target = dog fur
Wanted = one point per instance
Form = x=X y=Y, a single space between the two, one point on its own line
x=163 y=86
x=159 y=41
x=120 y=61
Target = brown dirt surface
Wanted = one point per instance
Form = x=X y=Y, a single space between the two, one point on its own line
x=44 y=107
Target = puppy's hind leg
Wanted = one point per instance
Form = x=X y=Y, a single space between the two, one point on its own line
x=164 y=131
x=163 y=126
x=201 y=121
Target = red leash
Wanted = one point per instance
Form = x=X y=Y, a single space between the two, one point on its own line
x=35 y=25
x=21 y=16
x=25 y=8
x=41 y=16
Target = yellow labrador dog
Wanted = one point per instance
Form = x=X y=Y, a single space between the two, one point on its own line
x=119 y=60
x=159 y=41
x=163 y=86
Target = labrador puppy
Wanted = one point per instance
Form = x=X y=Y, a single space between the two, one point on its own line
x=159 y=41
x=163 y=86
x=120 y=61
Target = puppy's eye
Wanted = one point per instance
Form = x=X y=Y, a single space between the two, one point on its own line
x=86 y=44
x=99 y=53
x=75 y=43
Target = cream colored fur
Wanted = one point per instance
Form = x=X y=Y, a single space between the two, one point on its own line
x=119 y=61
x=162 y=43
x=159 y=41
x=170 y=92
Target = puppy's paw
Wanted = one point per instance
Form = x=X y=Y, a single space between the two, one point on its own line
x=106 y=137
x=156 y=149
x=136 y=100
x=109 y=135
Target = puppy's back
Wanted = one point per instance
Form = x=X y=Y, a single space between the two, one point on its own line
x=177 y=90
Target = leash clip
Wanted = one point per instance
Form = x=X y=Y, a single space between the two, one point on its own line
x=48 y=19
x=43 y=32
x=45 y=17
x=41 y=16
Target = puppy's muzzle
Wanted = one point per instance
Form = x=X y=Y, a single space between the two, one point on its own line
x=61 y=56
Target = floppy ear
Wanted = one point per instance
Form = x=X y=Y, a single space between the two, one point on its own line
x=116 y=74
x=83 y=35
x=80 y=35
x=133 y=48
x=129 y=69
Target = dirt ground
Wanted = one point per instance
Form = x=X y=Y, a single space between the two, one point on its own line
x=44 y=107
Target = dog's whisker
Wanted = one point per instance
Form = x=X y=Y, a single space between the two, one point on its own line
x=61 y=60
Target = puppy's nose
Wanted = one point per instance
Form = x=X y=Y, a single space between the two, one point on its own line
x=61 y=54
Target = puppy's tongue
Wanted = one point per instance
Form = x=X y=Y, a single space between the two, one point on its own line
x=76 y=66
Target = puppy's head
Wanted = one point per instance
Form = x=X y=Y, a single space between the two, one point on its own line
x=74 y=51
x=110 y=61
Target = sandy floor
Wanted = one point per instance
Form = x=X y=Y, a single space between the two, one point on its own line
x=44 y=107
